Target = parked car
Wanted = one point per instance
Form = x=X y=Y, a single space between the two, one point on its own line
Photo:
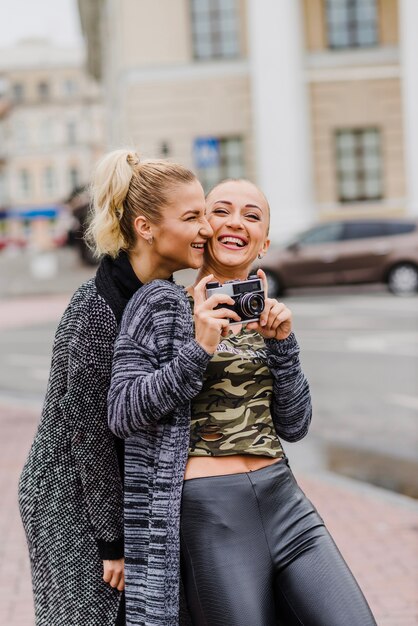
x=348 y=252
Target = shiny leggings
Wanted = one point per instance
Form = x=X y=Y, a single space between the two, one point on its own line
x=255 y=552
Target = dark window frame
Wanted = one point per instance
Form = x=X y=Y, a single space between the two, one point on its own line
x=25 y=181
x=353 y=25
x=225 y=164
x=18 y=91
x=216 y=34
x=360 y=153
x=74 y=177
x=337 y=226
x=44 y=90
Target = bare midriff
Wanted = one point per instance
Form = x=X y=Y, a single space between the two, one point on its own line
x=204 y=466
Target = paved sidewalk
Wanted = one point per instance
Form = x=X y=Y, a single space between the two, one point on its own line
x=376 y=531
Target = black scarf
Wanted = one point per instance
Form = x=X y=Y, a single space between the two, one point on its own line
x=117 y=282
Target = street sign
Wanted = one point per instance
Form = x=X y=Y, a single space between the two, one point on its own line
x=206 y=152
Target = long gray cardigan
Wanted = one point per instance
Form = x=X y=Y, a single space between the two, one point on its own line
x=157 y=368
x=71 y=491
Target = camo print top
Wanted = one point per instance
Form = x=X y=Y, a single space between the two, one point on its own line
x=231 y=414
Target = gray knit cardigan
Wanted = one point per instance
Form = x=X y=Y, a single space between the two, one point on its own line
x=158 y=367
x=70 y=490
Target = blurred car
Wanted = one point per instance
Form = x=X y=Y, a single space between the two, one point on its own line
x=348 y=252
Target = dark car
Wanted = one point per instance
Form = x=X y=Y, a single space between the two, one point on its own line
x=348 y=252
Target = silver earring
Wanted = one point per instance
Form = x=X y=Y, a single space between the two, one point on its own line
x=151 y=240
x=259 y=255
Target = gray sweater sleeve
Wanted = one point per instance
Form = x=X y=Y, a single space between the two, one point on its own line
x=141 y=393
x=291 y=405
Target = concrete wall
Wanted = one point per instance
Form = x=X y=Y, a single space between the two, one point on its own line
x=177 y=111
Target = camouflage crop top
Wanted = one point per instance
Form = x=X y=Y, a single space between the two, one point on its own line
x=231 y=414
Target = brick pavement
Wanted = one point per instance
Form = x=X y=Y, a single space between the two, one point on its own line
x=376 y=531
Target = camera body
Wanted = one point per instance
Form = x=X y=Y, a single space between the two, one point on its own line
x=248 y=296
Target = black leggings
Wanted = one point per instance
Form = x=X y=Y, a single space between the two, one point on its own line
x=255 y=552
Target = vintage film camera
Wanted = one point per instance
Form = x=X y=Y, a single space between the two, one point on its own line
x=248 y=295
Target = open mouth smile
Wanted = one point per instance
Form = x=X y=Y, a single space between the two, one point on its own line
x=232 y=242
x=198 y=246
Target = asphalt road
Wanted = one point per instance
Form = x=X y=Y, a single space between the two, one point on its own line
x=360 y=353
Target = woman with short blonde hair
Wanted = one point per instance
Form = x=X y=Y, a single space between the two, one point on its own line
x=204 y=391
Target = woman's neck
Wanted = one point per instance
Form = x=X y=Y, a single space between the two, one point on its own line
x=146 y=268
x=223 y=274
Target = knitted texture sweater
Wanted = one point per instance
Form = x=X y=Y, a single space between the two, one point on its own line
x=158 y=368
x=70 y=491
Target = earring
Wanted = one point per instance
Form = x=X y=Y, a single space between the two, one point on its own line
x=151 y=240
x=259 y=255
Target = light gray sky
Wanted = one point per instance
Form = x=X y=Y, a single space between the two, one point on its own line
x=55 y=19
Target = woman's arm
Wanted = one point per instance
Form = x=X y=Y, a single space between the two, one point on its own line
x=141 y=394
x=291 y=405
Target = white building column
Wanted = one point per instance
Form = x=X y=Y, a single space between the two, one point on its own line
x=408 y=20
x=280 y=113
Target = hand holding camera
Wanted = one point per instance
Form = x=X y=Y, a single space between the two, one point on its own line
x=247 y=297
x=218 y=306
x=212 y=315
x=275 y=320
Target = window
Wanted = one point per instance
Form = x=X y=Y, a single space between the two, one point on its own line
x=74 y=178
x=367 y=229
x=364 y=230
x=71 y=133
x=216 y=159
x=215 y=29
x=21 y=134
x=327 y=233
x=18 y=92
x=4 y=86
x=24 y=183
x=351 y=23
x=43 y=90
x=359 y=165
x=49 y=180
x=45 y=133
x=400 y=228
x=70 y=87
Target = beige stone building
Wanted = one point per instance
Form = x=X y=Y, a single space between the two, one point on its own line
x=313 y=99
x=51 y=129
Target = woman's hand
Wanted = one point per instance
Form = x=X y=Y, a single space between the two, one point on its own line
x=113 y=573
x=276 y=319
x=211 y=324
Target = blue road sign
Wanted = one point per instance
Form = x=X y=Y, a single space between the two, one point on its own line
x=206 y=152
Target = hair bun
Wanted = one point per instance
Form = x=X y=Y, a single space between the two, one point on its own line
x=133 y=159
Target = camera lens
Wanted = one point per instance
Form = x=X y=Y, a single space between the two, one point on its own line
x=252 y=304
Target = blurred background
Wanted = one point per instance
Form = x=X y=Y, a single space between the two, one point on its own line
x=316 y=101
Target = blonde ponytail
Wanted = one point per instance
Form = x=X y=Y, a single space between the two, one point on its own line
x=110 y=186
x=123 y=188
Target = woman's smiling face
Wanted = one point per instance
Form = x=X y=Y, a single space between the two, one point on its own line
x=238 y=213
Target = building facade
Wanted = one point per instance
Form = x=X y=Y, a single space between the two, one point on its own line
x=314 y=100
x=51 y=128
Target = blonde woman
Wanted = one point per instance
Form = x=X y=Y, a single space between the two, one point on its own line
x=148 y=222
